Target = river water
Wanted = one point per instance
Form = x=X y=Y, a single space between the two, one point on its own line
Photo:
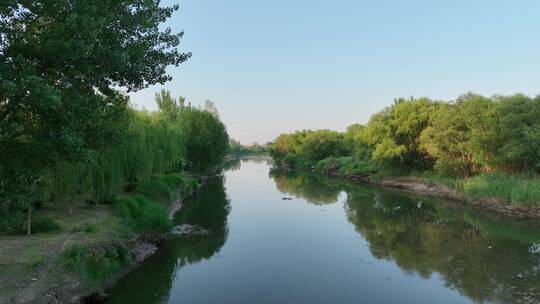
x=335 y=242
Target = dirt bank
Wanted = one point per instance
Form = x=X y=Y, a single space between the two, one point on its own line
x=429 y=188
x=29 y=266
x=141 y=248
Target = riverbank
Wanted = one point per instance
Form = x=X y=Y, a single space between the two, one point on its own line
x=352 y=232
x=92 y=250
x=141 y=247
x=429 y=188
x=422 y=186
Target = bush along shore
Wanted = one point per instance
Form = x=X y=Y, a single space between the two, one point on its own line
x=88 y=221
x=145 y=216
x=479 y=150
x=86 y=179
x=88 y=253
x=143 y=213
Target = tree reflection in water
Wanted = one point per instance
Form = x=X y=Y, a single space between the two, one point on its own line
x=484 y=256
x=153 y=281
x=313 y=188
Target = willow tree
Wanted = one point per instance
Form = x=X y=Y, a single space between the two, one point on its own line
x=61 y=62
x=70 y=183
x=206 y=139
x=394 y=133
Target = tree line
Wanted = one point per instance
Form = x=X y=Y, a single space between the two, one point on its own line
x=236 y=148
x=67 y=133
x=174 y=139
x=471 y=136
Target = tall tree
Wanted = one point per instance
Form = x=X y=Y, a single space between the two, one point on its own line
x=394 y=133
x=210 y=107
x=205 y=137
x=519 y=121
x=168 y=106
x=464 y=136
x=60 y=64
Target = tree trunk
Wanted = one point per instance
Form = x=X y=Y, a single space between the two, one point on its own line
x=29 y=222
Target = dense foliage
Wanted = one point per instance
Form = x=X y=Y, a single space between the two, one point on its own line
x=153 y=143
x=67 y=134
x=60 y=65
x=95 y=267
x=236 y=148
x=470 y=137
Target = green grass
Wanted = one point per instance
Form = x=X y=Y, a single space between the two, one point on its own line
x=26 y=257
x=146 y=211
x=191 y=183
x=91 y=228
x=156 y=189
x=90 y=234
x=165 y=188
x=142 y=214
x=510 y=189
x=450 y=182
x=95 y=266
x=390 y=169
x=37 y=261
x=515 y=189
x=174 y=181
x=357 y=168
x=328 y=165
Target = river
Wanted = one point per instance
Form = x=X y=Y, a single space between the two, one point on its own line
x=335 y=242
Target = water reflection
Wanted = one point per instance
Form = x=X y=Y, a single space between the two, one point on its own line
x=370 y=246
x=315 y=189
x=485 y=257
x=232 y=164
x=154 y=280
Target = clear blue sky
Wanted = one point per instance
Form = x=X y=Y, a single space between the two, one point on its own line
x=278 y=66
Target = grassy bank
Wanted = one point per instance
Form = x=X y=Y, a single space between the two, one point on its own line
x=517 y=190
x=507 y=189
x=483 y=148
x=80 y=252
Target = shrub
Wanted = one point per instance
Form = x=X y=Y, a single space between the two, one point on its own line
x=344 y=166
x=191 y=184
x=155 y=189
x=142 y=214
x=95 y=266
x=44 y=225
x=37 y=261
x=91 y=228
x=174 y=181
x=326 y=165
x=358 y=167
x=291 y=160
